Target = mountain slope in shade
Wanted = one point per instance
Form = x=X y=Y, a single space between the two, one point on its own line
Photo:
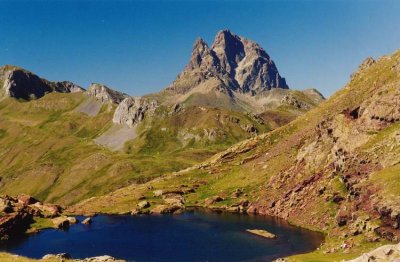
x=20 y=83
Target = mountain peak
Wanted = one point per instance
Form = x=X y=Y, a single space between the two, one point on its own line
x=22 y=84
x=199 y=43
x=233 y=62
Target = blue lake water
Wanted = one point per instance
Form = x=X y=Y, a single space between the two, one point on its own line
x=192 y=236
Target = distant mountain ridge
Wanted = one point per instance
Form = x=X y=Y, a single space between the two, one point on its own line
x=20 y=83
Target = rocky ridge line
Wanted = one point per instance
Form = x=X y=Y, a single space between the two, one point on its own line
x=20 y=83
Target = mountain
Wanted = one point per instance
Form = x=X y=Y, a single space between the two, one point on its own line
x=233 y=63
x=63 y=144
x=235 y=73
x=20 y=83
x=334 y=169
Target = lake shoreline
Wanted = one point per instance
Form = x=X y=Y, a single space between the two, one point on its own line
x=193 y=212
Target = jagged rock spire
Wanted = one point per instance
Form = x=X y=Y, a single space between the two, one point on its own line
x=238 y=64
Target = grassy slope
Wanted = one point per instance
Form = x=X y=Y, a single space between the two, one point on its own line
x=269 y=168
x=48 y=150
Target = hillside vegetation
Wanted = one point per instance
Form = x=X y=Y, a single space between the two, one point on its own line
x=334 y=169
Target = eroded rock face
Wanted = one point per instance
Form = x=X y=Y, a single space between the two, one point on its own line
x=133 y=110
x=105 y=94
x=25 y=85
x=67 y=87
x=20 y=83
x=383 y=110
x=17 y=214
x=233 y=62
x=247 y=63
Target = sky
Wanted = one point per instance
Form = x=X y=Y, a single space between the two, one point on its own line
x=139 y=47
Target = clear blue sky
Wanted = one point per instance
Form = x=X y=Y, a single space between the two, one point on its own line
x=140 y=46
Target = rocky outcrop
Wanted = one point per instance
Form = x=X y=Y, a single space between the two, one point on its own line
x=15 y=223
x=67 y=87
x=367 y=63
x=67 y=257
x=17 y=214
x=293 y=101
x=22 y=84
x=132 y=110
x=58 y=257
x=104 y=258
x=61 y=222
x=105 y=94
x=383 y=110
x=233 y=63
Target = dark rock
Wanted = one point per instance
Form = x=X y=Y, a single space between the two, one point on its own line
x=61 y=222
x=143 y=204
x=20 y=83
x=213 y=200
x=14 y=224
x=26 y=200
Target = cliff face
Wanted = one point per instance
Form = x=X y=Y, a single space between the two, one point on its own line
x=20 y=83
x=233 y=63
x=132 y=110
x=105 y=94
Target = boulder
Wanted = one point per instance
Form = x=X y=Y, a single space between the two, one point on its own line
x=237 y=193
x=252 y=210
x=61 y=222
x=143 y=204
x=166 y=209
x=135 y=212
x=87 y=221
x=26 y=200
x=158 y=193
x=174 y=199
x=213 y=200
x=72 y=220
x=233 y=209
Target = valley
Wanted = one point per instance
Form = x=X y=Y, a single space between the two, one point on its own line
x=227 y=135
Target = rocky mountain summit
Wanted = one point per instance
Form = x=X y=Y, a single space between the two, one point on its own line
x=105 y=94
x=233 y=63
x=20 y=83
